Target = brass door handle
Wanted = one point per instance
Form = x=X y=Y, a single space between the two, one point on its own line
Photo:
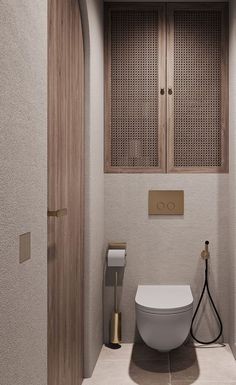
x=170 y=91
x=162 y=92
x=57 y=213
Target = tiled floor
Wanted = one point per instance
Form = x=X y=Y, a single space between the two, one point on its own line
x=138 y=364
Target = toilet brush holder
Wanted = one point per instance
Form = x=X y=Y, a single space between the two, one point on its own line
x=115 y=326
x=115 y=334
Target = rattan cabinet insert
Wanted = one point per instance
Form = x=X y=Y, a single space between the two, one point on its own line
x=166 y=87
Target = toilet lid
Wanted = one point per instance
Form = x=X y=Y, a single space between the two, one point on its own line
x=164 y=298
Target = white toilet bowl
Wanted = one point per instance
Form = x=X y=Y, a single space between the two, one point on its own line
x=164 y=315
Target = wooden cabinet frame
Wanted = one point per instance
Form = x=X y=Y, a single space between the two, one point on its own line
x=171 y=8
x=162 y=98
x=166 y=81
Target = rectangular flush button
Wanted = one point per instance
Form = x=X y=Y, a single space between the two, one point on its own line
x=166 y=202
x=25 y=248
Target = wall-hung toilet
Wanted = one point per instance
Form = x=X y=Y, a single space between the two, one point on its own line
x=164 y=315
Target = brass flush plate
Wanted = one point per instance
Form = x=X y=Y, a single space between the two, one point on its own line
x=25 y=247
x=166 y=202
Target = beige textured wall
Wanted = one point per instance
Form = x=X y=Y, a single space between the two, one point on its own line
x=23 y=195
x=92 y=19
x=160 y=250
x=232 y=116
x=166 y=250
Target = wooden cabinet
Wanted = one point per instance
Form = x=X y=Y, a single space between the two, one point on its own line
x=197 y=117
x=166 y=87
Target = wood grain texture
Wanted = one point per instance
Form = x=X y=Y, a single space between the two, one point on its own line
x=197 y=110
x=65 y=190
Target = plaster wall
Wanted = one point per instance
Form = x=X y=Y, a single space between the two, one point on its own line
x=23 y=191
x=166 y=250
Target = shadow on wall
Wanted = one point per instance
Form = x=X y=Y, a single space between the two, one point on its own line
x=150 y=366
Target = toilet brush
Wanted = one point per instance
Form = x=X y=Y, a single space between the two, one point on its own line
x=115 y=330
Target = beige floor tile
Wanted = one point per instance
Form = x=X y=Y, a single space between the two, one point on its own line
x=149 y=372
x=199 y=382
x=123 y=353
x=136 y=351
x=184 y=364
x=143 y=352
x=141 y=365
x=203 y=364
x=122 y=382
x=121 y=372
x=107 y=381
x=112 y=369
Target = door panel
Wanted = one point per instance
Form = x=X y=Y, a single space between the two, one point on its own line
x=65 y=190
x=197 y=80
x=135 y=59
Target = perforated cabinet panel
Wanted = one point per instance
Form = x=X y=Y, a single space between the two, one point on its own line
x=135 y=89
x=166 y=87
x=197 y=121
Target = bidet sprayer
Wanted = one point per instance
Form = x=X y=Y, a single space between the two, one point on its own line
x=205 y=253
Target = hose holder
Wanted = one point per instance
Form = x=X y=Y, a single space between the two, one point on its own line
x=205 y=254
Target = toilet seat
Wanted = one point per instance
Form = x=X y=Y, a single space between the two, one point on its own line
x=164 y=299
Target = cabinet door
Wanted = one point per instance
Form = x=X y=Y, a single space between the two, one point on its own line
x=135 y=58
x=197 y=81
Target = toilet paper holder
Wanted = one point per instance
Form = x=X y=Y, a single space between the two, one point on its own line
x=116 y=254
x=117 y=245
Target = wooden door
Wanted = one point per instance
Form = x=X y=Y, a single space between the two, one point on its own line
x=65 y=191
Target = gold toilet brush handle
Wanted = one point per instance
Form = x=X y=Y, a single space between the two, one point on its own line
x=115 y=331
x=115 y=293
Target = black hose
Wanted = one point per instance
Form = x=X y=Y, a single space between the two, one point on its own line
x=214 y=307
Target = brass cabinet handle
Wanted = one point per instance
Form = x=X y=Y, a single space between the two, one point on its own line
x=57 y=213
x=170 y=91
x=162 y=91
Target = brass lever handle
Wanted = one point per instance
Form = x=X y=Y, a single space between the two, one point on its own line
x=57 y=213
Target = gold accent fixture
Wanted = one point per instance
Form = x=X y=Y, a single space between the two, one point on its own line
x=115 y=328
x=205 y=254
x=57 y=213
x=117 y=245
x=166 y=202
x=25 y=247
x=115 y=337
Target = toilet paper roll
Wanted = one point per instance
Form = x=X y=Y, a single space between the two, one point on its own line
x=116 y=258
